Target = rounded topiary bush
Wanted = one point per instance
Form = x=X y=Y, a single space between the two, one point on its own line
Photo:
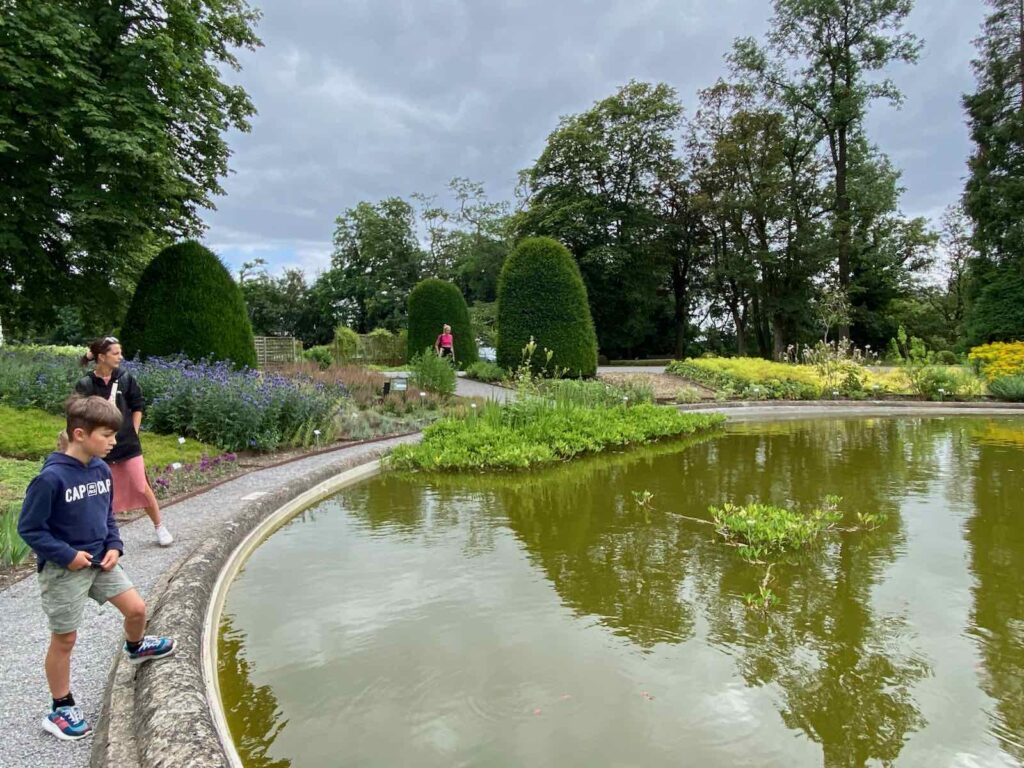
x=541 y=294
x=187 y=303
x=432 y=304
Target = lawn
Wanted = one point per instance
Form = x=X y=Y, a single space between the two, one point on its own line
x=29 y=433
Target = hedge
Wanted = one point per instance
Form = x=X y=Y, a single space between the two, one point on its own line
x=432 y=304
x=541 y=295
x=187 y=303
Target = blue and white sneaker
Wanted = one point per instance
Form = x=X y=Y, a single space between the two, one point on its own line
x=153 y=647
x=67 y=723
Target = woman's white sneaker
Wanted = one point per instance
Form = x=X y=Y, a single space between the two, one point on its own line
x=163 y=536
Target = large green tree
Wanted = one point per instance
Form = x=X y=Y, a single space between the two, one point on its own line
x=112 y=123
x=600 y=187
x=822 y=57
x=994 y=197
x=375 y=264
x=758 y=182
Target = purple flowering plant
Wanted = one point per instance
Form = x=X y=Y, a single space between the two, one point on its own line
x=167 y=481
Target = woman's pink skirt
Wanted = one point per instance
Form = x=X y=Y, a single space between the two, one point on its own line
x=130 y=484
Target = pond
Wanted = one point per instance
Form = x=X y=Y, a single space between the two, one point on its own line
x=549 y=619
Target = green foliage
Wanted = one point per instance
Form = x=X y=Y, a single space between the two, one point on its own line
x=346 y=344
x=995 y=305
x=382 y=347
x=276 y=306
x=764 y=529
x=113 y=118
x=432 y=304
x=375 y=264
x=320 y=355
x=433 y=373
x=529 y=434
x=541 y=296
x=1010 y=388
x=591 y=393
x=14 y=479
x=486 y=371
x=484 y=318
x=187 y=303
x=608 y=186
x=37 y=377
x=750 y=378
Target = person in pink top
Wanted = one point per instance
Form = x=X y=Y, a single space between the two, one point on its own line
x=445 y=343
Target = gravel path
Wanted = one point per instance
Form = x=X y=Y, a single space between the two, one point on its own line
x=24 y=698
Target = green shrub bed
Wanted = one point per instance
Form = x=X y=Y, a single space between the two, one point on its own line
x=535 y=433
x=750 y=378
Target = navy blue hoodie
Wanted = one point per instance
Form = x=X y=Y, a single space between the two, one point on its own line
x=69 y=507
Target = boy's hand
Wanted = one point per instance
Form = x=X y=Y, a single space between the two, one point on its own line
x=110 y=559
x=82 y=560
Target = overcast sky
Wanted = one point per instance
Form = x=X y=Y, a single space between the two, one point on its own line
x=366 y=99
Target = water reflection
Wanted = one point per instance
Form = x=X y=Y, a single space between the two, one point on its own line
x=996 y=538
x=252 y=711
x=840 y=660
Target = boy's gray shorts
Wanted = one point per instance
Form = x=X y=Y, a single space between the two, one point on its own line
x=64 y=592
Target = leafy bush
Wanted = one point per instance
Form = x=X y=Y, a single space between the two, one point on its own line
x=751 y=378
x=346 y=344
x=484 y=370
x=527 y=434
x=432 y=304
x=433 y=373
x=541 y=296
x=320 y=355
x=933 y=382
x=187 y=303
x=1010 y=388
x=945 y=357
x=14 y=479
x=381 y=346
x=763 y=529
x=484 y=317
x=997 y=360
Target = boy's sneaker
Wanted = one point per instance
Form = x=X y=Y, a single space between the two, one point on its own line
x=67 y=723
x=163 y=536
x=152 y=647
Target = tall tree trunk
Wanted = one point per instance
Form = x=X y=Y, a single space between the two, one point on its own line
x=843 y=228
x=681 y=294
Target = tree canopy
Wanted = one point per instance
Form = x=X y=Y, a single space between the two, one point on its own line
x=112 y=124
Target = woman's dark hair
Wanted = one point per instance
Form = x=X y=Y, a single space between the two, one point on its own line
x=97 y=348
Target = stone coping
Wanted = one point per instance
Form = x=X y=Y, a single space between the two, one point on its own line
x=169 y=714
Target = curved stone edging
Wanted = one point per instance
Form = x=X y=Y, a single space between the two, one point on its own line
x=782 y=409
x=169 y=713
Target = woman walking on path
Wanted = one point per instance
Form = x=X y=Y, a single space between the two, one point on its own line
x=107 y=380
x=444 y=345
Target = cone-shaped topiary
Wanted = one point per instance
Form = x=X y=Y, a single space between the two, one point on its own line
x=541 y=294
x=187 y=303
x=432 y=304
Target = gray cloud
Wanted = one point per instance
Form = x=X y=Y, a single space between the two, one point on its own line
x=362 y=99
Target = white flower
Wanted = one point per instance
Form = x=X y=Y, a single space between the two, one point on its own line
x=181 y=441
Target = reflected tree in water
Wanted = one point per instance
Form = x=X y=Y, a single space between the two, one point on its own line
x=995 y=537
x=252 y=712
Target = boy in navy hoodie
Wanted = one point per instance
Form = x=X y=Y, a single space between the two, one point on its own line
x=68 y=520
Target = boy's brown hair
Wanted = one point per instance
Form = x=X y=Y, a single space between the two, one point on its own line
x=88 y=413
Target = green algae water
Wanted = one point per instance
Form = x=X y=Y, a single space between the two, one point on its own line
x=549 y=619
